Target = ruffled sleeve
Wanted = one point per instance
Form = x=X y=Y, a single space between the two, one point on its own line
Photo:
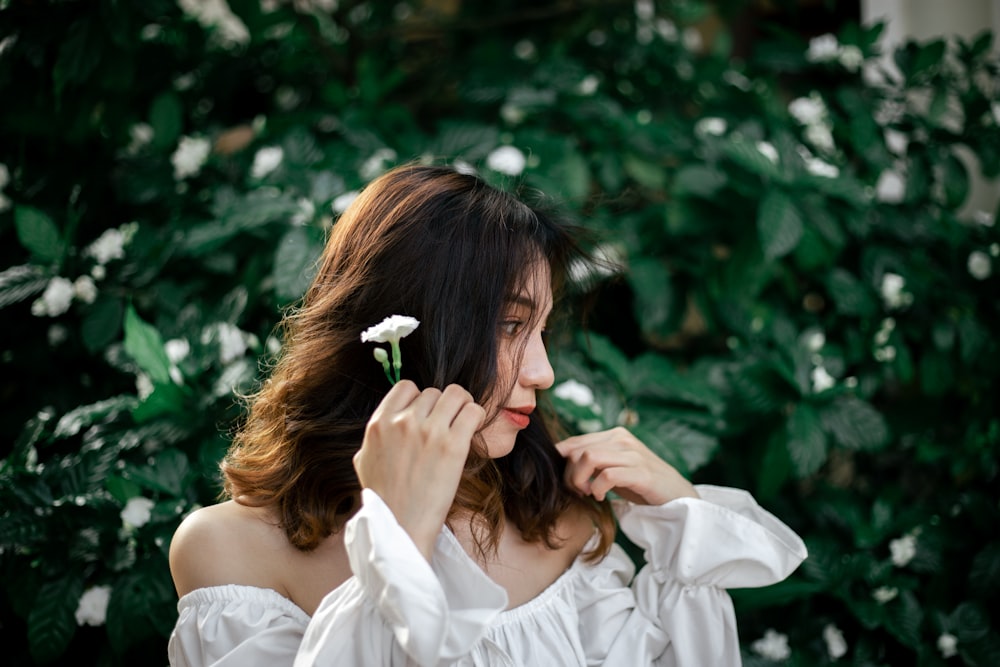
x=679 y=613
x=235 y=626
x=398 y=609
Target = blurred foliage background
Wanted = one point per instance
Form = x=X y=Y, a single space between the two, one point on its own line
x=805 y=304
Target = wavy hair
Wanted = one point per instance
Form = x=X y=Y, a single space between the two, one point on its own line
x=451 y=250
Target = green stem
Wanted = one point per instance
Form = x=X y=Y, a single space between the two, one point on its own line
x=397 y=358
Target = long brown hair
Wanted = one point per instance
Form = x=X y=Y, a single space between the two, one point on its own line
x=450 y=250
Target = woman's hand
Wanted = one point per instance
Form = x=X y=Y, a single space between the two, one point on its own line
x=414 y=450
x=616 y=460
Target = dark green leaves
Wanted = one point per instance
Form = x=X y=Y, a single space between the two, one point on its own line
x=51 y=623
x=145 y=345
x=38 y=233
x=779 y=224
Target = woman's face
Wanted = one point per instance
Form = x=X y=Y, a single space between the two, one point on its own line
x=522 y=356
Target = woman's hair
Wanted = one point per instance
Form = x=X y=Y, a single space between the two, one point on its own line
x=450 y=250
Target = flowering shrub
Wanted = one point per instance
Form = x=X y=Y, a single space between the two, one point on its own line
x=794 y=294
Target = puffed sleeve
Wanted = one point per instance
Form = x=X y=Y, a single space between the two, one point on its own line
x=398 y=609
x=679 y=613
x=235 y=626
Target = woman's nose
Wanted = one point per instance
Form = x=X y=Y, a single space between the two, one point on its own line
x=536 y=371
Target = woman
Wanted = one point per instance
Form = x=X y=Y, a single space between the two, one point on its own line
x=439 y=522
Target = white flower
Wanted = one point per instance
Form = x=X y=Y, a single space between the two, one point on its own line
x=57 y=334
x=190 y=156
x=506 y=160
x=375 y=165
x=980 y=266
x=56 y=298
x=808 y=110
x=815 y=341
x=767 y=150
x=851 y=58
x=341 y=202
x=177 y=349
x=836 y=646
x=588 y=85
x=590 y=425
x=821 y=168
x=823 y=49
x=903 y=550
x=93 y=606
x=773 y=646
x=266 y=160
x=98 y=272
x=947 y=643
x=892 y=291
x=821 y=136
x=84 y=289
x=884 y=594
x=710 y=126
x=391 y=329
x=463 y=167
x=304 y=213
x=525 y=49
x=691 y=38
x=106 y=247
x=143 y=386
x=217 y=14
x=890 y=188
x=821 y=379
x=140 y=134
x=137 y=512
x=232 y=342
x=896 y=141
x=511 y=113
x=574 y=392
x=984 y=218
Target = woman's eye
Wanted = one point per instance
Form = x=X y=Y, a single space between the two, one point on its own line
x=511 y=327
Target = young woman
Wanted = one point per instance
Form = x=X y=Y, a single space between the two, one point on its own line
x=438 y=521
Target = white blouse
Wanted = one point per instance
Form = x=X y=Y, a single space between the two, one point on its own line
x=398 y=609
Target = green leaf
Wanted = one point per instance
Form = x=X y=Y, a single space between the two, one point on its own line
x=807 y=446
x=52 y=621
x=746 y=154
x=779 y=224
x=855 y=424
x=645 y=173
x=607 y=356
x=38 y=233
x=654 y=305
x=674 y=442
x=956 y=182
x=75 y=420
x=164 y=400
x=903 y=618
x=145 y=345
x=698 y=180
x=775 y=466
x=850 y=295
x=168 y=473
x=166 y=119
x=295 y=262
x=102 y=322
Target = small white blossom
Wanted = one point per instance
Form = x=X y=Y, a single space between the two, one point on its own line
x=137 y=512
x=823 y=49
x=836 y=645
x=574 y=392
x=341 y=202
x=884 y=594
x=821 y=136
x=980 y=266
x=808 y=110
x=890 y=188
x=818 y=167
x=815 y=341
x=57 y=335
x=947 y=643
x=588 y=85
x=140 y=134
x=903 y=550
x=390 y=329
x=56 y=298
x=691 y=38
x=737 y=80
x=190 y=156
x=525 y=49
x=506 y=160
x=896 y=141
x=304 y=212
x=232 y=342
x=143 y=386
x=376 y=164
x=84 y=289
x=590 y=425
x=463 y=167
x=98 y=272
x=93 y=606
x=851 y=58
x=711 y=126
x=893 y=294
x=177 y=349
x=768 y=150
x=106 y=247
x=511 y=113
x=984 y=218
x=266 y=160
x=217 y=14
x=773 y=646
x=821 y=379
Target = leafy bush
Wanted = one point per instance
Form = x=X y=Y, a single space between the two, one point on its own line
x=804 y=306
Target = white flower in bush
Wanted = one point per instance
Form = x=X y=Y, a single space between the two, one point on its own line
x=980 y=266
x=984 y=218
x=711 y=126
x=893 y=293
x=821 y=379
x=884 y=594
x=216 y=14
x=575 y=392
x=821 y=136
x=890 y=188
x=525 y=49
x=190 y=156
x=808 y=110
x=768 y=150
x=896 y=141
x=376 y=163
x=947 y=644
x=851 y=57
x=232 y=342
x=511 y=113
x=588 y=85
x=902 y=550
x=506 y=160
x=818 y=167
x=57 y=335
x=177 y=349
x=815 y=341
x=106 y=247
x=823 y=49
x=93 y=606
x=137 y=512
x=773 y=646
x=56 y=298
x=342 y=201
x=266 y=160
x=84 y=289
x=836 y=645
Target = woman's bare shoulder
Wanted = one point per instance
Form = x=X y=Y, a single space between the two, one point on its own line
x=227 y=543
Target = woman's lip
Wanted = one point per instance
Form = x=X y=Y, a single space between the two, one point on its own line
x=520 y=419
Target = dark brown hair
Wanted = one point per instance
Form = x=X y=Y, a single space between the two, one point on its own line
x=450 y=250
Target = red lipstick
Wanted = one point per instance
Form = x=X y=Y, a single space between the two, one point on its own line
x=520 y=417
